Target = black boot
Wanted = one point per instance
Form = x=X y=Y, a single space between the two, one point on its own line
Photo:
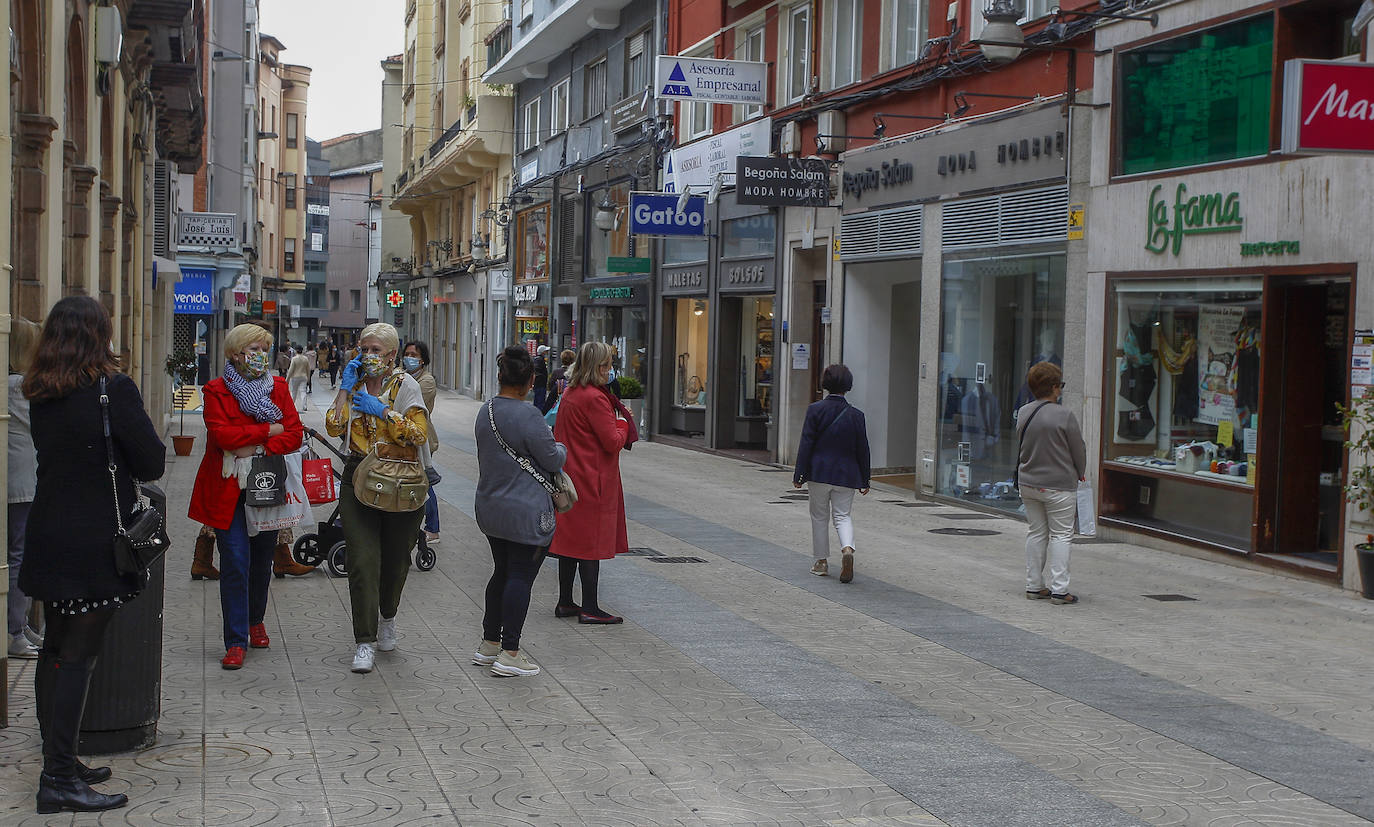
x=44 y=673
x=59 y=787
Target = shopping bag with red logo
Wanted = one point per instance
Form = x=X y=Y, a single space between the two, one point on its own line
x=318 y=475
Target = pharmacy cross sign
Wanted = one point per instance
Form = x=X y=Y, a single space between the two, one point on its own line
x=395 y=298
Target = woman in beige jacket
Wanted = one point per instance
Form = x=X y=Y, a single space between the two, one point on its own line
x=415 y=360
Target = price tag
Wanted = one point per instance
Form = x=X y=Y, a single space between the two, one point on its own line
x=1248 y=439
x=1250 y=470
x=1225 y=433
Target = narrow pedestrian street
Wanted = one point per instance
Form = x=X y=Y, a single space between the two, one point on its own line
x=743 y=690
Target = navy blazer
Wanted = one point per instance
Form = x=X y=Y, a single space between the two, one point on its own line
x=834 y=445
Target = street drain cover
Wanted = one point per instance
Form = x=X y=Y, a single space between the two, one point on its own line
x=960 y=515
x=1170 y=598
x=965 y=532
x=676 y=560
x=916 y=505
x=641 y=551
x=772 y=470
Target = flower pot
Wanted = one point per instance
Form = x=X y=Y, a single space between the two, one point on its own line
x=1364 y=552
x=182 y=445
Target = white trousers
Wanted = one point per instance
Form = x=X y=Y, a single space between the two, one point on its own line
x=830 y=503
x=1050 y=514
x=298 y=392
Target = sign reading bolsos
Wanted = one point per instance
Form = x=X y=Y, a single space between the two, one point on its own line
x=656 y=213
x=707 y=79
x=1328 y=106
x=193 y=294
x=782 y=182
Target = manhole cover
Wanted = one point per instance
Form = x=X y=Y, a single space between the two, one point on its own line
x=916 y=505
x=791 y=496
x=1170 y=598
x=965 y=532
x=772 y=470
x=1091 y=541
x=781 y=502
x=641 y=551
x=676 y=560
x=962 y=516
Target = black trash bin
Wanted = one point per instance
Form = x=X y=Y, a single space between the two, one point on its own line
x=1365 y=554
x=126 y=690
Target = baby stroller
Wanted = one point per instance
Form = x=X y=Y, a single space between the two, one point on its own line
x=327 y=543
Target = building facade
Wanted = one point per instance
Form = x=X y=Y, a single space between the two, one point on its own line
x=355 y=175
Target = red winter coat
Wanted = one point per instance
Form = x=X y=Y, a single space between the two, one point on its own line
x=227 y=427
x=595 y=528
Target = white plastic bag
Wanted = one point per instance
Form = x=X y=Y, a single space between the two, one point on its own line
x=291 y=512
x=1087 y=510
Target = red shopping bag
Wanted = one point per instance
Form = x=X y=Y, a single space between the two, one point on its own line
x=318 y=475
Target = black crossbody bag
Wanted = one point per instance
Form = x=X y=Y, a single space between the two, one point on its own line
x=139 y=545
x=1021 y=440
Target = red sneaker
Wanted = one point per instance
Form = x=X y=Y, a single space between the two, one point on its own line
x=257 y=637
x=233 y=659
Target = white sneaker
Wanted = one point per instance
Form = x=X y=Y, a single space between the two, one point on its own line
x=386 y=634
x=513 y=666
x=362 y=662
x=21 y=648
x=486 y=653
x=432 y=538
x=34 y=636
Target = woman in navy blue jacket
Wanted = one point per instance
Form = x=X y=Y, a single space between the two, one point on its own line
x=833 y=459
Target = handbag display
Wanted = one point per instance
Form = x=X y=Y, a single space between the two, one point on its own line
x=561 y=488
x=139 y=545
x=1136 y=424
x=266 y=481
x=391 y=478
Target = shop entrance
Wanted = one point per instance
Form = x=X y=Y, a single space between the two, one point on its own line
x=745 y=406
x=1299 y=506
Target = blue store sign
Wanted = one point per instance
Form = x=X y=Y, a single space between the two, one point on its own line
x=194 y=294
x=654 y=213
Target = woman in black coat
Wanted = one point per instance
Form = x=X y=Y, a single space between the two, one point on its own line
x=833 y=459
x=69 y=546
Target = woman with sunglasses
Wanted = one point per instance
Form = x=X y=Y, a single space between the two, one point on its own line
x=1052 y=461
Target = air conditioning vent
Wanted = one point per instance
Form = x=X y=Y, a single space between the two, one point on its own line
x=1030 y=217
x=883 y=234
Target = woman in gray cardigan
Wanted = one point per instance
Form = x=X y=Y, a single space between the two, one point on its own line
x=1052 y=461
x=513 y=509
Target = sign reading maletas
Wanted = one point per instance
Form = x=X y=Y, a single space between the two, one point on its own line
x=1328 y=106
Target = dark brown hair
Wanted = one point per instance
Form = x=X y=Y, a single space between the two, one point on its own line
x=73 y=350
x=837 y=379
x=514 y=367
x=1043 y=378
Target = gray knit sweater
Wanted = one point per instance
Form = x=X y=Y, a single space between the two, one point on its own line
x=509 y=500
x=1052 y=452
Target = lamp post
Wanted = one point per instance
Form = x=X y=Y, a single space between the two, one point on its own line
x=1002 y=38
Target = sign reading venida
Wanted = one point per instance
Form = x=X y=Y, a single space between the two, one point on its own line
x=1328 y=106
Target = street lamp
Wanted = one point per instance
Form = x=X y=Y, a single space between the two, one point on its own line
x=1002 y=38
x=607 y=216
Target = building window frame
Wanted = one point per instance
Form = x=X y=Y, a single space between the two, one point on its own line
x=846 y=13
x=900 y=55
x=529 y=129
x=289 y=188
x=288 y=255
x=697 y=119
x=750 y=40
x=594 y=77
x=560 y=98
x=798 y=55
x=638 y=61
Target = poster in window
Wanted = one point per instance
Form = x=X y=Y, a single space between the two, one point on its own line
x=1217 y=326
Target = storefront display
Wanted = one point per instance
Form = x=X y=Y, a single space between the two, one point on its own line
x=1000 y=316
x=532 y=234
x=756 y=359
x=626 y=330
x=693 y=352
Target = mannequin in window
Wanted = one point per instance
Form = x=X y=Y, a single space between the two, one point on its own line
x=981 y=415
x=1049 y=352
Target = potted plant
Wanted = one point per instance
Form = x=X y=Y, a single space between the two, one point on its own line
x=181 y=366
x=633 y=393
x=1359 y=488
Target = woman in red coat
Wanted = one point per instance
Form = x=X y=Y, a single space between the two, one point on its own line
x=594 y=530
x=248 y=411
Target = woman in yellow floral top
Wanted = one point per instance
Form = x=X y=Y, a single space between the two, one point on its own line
x=377 y=402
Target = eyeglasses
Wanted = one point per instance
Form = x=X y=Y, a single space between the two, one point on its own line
x=1062 y=385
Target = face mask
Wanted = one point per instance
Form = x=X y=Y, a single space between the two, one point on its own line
x=372 y=364
x=254 y=363
x=410 y=363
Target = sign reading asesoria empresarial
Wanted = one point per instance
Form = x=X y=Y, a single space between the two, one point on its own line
x=704 y=80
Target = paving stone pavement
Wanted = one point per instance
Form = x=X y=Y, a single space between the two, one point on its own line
x=743 y=690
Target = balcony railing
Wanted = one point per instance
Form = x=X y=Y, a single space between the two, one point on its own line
x=442 y=140
x=498 y=43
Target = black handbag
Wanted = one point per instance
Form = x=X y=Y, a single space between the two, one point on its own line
x=266 y=481
x=144 y=540
x=1135 y=424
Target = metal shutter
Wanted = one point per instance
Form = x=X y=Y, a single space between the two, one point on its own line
x=882 y=234
x=1030 y=217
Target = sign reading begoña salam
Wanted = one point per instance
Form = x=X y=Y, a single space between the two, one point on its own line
x=704 y=79
x=656 y=213
x=782 y=182
x=1328 y=106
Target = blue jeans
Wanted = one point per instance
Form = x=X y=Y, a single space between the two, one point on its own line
x=432 y=512
x=245 y=573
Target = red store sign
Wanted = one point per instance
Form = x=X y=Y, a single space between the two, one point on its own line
x=1328 y=106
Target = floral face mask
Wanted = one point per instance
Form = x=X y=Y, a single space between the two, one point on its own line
x=372 y=364
x=254 y=363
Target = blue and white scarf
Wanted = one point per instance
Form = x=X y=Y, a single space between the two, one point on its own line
x=254 y=395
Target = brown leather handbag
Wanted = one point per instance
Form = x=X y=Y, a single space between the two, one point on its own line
x=391 y=478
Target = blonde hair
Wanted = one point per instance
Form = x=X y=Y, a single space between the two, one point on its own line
x=589 y=358
x=23 y=343
x=383 y=333
x=244 y=335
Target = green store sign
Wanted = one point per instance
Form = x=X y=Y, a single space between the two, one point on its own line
x=1168 y=224
x=628 y=264
x=612 y=293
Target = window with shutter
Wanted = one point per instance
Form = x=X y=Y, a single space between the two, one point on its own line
x=570 y=240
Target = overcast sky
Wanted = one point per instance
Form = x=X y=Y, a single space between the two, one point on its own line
x=343 y=42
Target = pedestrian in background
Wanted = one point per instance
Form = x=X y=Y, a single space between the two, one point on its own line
x=69 y=563
x=833 y=460
x=377 y=403
x=558 y=380
x=335 y=362
x=283 y=363
x=1052 y=460
x=541 y=377
x=415 y=360
x=23 y=479
x=513 y=509
x=322 y=357
x=590 y=425
x=247 y=412
x=312 y=362
x=297 y=376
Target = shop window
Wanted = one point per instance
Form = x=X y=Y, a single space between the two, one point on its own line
x=999 y=316
x=626 y=330
x=1197 y=99
x=532 y=234
x=753 y=235
x=756 y=358
x=614 y=242
x=693 y=335
x=684 y=249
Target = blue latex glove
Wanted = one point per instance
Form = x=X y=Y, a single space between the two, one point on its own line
x=368 y=404
x=350 y=373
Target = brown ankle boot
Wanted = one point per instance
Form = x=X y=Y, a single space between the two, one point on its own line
x=283 y=563
x=203 y=566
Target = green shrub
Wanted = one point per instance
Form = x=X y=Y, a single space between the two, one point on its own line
x=630 y=388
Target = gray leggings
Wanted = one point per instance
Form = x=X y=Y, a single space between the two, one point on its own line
x=18 y=603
